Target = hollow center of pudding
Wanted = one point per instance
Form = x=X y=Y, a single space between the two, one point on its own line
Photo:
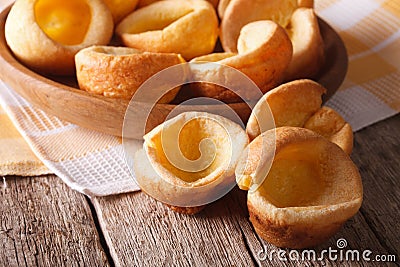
x=202 y=141
x=157 y=18
x=65 y=22
x=295 y=178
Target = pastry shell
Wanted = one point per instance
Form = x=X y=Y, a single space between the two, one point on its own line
x=311 y=190
x=328 y=123
x=298 y=104
x=308 y=45
x=238 y=13
x=34 y=48
x=291 y=104
x=119 y=71
x=264 y=53
x=186 y=27
x=189 y=160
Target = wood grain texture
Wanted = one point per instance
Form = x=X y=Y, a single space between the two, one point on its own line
x=60 y=96
x=377 y=154
x=142 y=231
x=45 y=223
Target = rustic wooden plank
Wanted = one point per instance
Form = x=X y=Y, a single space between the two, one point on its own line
x=140 y=230
x=377 y=154
x=45 y=223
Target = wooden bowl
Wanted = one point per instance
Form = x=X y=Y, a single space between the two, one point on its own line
x=62 y=98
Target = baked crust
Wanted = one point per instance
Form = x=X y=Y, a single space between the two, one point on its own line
x=119 y=71
x=238 y=13
x=308 y=45
x=264 y=53
x=328 y=123
x=299 y=218
x=297 y=17
x=34 y=48
x=186 y=27
x=298 y=104
x=291 y=104
x=204 y=173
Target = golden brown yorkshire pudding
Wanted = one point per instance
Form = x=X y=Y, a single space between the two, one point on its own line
x=291 y=104
x=45 y=35
x=312 y=188
x=332 y=126
x=189 y=160
x=119 y=9
x=298 y=104
x=264 y=53
x=238 y=13
x=186 y=27
x=308 y=46
x=120 y=71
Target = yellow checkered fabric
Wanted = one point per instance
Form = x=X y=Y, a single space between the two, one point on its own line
x=370 y=30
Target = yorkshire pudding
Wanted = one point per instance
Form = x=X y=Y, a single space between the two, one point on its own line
x=298 y=104
x=186 y=27
x=264 y=53
x=45 y=35
x=312 y=188
x=119 y=9
x=238 y=13
x=308 y=46
x=119 y=71
x=189 y=160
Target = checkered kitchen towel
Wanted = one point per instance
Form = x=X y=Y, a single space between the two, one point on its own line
x=93 y=163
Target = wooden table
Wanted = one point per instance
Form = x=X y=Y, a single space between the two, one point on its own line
x=44 y=222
